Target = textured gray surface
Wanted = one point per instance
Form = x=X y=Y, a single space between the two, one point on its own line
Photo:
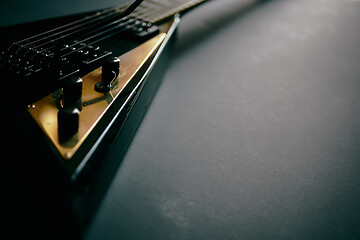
x=254 y=133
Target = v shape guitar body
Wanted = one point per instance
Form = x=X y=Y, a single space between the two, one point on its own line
x=64 y=103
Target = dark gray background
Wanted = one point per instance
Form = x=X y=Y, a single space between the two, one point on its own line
x=254 y=133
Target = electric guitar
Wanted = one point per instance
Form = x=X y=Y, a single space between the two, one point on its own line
x=75 y=78
x=71 y=87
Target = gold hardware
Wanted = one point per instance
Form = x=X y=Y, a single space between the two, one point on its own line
x=95 y=104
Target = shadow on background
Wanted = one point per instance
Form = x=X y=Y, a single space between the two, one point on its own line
x=216 y=17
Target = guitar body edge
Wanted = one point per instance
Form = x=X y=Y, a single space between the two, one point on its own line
x=41 y=198
x=91 y=183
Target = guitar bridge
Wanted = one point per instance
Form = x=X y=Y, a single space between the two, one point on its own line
x=97 y=108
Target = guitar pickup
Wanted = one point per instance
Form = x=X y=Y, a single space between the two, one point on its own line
x=67 y=70
x=82 y=53
x=144 y=29
x=92 y=56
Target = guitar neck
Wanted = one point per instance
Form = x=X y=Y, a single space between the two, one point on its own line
x=155 y=11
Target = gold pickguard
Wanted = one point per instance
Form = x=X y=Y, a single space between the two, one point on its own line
x=95 y=104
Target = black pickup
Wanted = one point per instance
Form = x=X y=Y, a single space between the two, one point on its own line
x=37 y=66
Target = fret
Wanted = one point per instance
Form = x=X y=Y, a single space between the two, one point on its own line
x=157 y=10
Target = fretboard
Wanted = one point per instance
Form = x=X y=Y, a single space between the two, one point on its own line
x=157 y=10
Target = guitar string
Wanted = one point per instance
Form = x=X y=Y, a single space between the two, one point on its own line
x=90 y=43
x=87 y=18
x=48 y=39
x=144 y=13
x=120 y=26
x=139 y=12
x=102 y=35
x=64 y=38
x=93 y=29
x=100 y=15
x=79 y=31
x=117 y=14
x=51 y=39
x=105 y=14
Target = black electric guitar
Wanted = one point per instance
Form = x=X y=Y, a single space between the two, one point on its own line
x=71 y=86
x=75 y=78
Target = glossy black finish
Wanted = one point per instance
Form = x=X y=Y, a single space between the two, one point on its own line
x=61 y=205
x=110 y=71
x=72 y=92
x=93 y=181
x=68 y=119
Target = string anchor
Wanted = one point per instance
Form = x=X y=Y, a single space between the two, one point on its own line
x=110 y=71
